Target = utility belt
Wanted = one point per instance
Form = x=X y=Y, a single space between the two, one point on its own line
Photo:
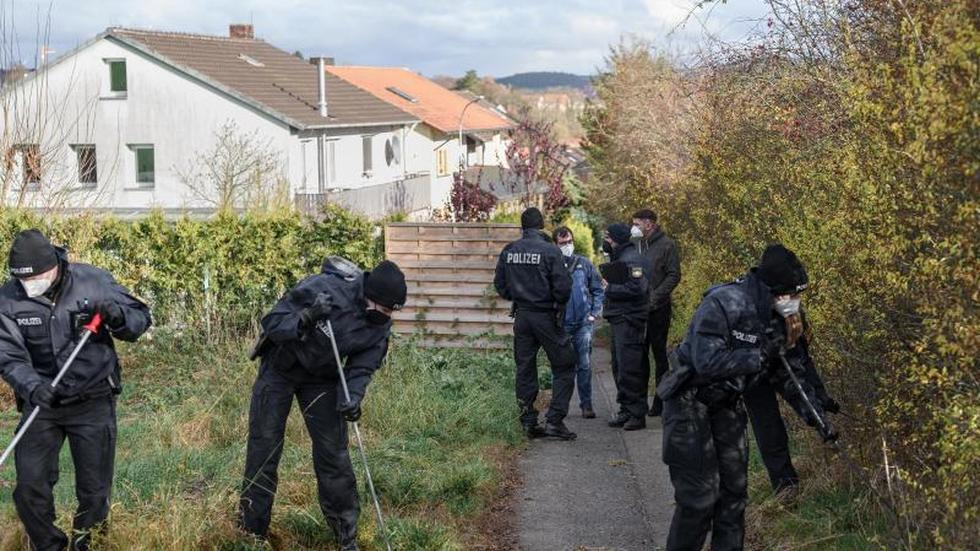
x=537 y=308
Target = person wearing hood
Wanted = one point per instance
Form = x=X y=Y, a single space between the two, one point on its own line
x=297 y=361
x=735 y=339
x=627 y=275
x=42 y=310
x=531 y=273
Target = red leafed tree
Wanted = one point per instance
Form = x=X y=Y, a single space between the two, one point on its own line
x=469 y=202
x=537 y=163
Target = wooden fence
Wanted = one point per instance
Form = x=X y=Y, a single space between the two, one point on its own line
x=449 y=269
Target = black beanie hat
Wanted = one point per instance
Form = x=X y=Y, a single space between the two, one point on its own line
x=782 y=271
x=531 y=219
x=385 y=284
x=31 y=254
x=619 y=232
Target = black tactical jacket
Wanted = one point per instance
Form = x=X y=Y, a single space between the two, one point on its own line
x=630 y=299
x=531 y=272
x=37 y=334
x=722 y=352
x=305 y=355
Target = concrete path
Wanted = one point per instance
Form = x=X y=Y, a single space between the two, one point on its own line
x=607 y=490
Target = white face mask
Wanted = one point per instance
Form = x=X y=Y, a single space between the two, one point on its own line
x=567 y=249
x=36 y=287
x=636 y=232
x=787 y=305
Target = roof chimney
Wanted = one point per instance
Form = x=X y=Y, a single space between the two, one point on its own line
x=321 y=76
x=239 y=30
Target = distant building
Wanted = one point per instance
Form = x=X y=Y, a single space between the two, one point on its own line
x=443 y=113
x=112 y=124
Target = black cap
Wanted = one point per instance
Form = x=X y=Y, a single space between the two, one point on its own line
x=385 y=284
x=782 y=271
x=31 y=254
x=619 y=233
x=531 y=219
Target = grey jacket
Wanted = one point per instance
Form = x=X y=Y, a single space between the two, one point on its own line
x=665 y=271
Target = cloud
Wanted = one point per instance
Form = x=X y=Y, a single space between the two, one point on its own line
x=495 y=37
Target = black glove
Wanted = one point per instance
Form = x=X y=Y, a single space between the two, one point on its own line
x=351 y=410
x=318 y=310
x=771 y=347
x=616 y=273
x=112 y=314
x=830 y=405
x=828 y=432
x=43 y=395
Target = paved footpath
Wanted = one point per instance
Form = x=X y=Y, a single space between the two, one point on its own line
x=607 y=490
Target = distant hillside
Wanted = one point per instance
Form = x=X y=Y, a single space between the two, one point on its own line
x=542 y=80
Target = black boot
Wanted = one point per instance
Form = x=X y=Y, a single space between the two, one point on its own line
x=350 y=546
x=533 y=431
x=559 y=430
x=635 y=423
x=619 y=420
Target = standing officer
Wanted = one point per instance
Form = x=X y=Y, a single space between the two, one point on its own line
x=531 y=273
x=298 y=361
x=665 y=274
x=729 y=343
x=627 y=303
x=42 y=310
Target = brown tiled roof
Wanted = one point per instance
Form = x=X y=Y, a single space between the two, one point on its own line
x=434 y=104
x=265 y=77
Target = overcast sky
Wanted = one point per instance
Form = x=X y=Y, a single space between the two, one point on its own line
x=495 y=37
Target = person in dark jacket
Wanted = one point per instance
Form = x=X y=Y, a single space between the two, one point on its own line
x=767 y=421
x=581 y=311
x=298 y=362
x=531 y=273
x=665 y=274
x=626 y=305
x=42 y=310
x=728 y=348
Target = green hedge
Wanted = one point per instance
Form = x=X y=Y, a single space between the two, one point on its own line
x=220 y=270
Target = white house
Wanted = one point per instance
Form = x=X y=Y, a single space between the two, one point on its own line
x=446 y=116
x=117 y=123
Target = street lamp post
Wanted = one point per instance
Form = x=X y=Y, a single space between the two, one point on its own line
x=462 y=146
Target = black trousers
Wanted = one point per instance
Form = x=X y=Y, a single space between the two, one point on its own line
x=272 y=398
x=90 y=428
x=533 y=331
x=705 y=451
x=770 y=434
x=658 y=326
x=631 y=373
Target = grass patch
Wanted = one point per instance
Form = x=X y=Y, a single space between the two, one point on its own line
x=434 y=421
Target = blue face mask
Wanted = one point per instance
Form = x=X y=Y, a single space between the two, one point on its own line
x=787 y=305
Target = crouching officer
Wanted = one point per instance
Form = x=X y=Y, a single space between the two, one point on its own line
x=728 y=346
x=298 y=361
x=531 y=273
x=42 y=311
x=627 y=303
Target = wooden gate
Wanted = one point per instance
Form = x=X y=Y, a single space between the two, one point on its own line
x=449 y=268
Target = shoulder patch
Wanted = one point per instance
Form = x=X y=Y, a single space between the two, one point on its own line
x=636 y=272
x=32 y=321
x=745 y=337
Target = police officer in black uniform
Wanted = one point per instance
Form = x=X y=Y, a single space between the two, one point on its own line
x=42 y=311
x=531 y=273
x=730 y=344
x=767 y=421
x=628 y=286
x=298 y=361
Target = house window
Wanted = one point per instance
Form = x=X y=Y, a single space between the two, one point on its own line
x=331 y=161
x=442 y=162
x=87 y=164
x=366 y=152
x=30 y=163
x=145 y=161
x=117 y=76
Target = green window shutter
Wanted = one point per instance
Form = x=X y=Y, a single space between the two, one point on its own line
x=144 y=165
x=117 y=76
